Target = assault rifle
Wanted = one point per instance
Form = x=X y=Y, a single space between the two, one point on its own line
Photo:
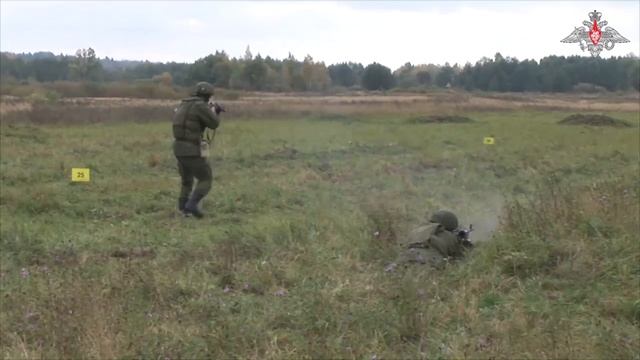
x=463 y=236
x=218 y=108
x=209 y=136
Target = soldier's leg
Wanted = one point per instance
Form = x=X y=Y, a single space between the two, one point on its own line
x=202 y=172
x=186 y=182
x=421 y=256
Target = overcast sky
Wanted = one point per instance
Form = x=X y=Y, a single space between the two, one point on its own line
x=390 y=33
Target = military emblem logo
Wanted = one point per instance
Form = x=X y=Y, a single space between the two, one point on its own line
x=592 y=37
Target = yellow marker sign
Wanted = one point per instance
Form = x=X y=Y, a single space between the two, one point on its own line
x=80 y=174
x=489 y=140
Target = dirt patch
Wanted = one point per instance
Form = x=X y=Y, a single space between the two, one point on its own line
x=144 y=252
x=439 y=119
x=282 y=153
x=425 y=165
x=593 y=120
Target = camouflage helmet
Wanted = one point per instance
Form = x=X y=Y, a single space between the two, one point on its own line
x=446 y=219
x=203 y=89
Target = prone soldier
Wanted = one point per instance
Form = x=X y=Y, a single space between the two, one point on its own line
x=434 y=243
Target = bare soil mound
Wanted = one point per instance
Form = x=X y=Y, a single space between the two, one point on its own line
x=593 y=120
x=439 y=119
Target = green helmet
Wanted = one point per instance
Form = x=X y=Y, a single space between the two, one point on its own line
x=203 y=89
x=446 y=219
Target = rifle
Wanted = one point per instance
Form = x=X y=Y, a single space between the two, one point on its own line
x=209 y=136
x=463 y=237
x=218 y=108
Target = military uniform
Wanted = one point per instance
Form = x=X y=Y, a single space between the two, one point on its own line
x=430 y=244
x=190 y=120
x=433 y=243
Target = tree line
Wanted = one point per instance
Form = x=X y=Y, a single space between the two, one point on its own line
x=550 y=74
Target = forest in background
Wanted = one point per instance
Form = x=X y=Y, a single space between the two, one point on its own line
x=257 y=73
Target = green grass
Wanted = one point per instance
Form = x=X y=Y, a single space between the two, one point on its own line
x=286 y=264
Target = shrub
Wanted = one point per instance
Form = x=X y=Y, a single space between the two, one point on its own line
x=377 y=77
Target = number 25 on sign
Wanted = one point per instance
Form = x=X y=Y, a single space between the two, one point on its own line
x=489 y=140
x=80 y=175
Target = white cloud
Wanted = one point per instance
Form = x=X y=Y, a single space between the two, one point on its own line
x=191 y=25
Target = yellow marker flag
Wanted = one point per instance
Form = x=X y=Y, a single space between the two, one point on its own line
x=489 y=140
x=80 y=174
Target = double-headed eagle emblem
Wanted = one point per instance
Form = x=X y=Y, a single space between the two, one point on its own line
x=591 y=36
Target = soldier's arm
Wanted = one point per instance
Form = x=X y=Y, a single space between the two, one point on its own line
x=455 y=246
x=207 y=117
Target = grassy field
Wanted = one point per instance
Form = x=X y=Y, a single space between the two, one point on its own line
x=304 y=215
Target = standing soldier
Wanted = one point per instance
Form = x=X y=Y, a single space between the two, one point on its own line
x=190 y=121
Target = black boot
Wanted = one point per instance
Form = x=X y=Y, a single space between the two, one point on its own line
x=182 y=202
x=191 y=207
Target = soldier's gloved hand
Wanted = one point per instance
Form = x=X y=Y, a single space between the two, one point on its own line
x=218 y=108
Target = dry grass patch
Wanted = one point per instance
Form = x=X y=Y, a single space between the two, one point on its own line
x=344 y=109
x=440 y=119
